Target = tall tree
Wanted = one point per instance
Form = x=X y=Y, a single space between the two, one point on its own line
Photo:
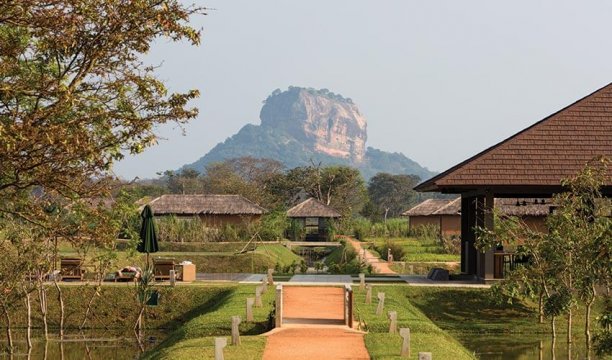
x=390 y=195
x=74 y=94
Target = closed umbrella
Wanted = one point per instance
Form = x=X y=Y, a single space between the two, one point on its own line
x=148 y=236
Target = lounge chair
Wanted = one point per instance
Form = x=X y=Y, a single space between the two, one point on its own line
x=71 y=268
x=162 y=267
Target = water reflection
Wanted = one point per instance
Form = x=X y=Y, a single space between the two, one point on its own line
x=520 y=347
x=92 y=344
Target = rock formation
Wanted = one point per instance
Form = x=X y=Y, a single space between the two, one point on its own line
x=301 y=125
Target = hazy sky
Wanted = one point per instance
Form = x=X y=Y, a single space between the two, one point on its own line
x=437 y=80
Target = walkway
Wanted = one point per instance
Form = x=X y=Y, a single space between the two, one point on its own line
x=311 y=327
x=379 y=265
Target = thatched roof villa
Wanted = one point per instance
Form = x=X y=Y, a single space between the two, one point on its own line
x=215 y=210
x=314 y=216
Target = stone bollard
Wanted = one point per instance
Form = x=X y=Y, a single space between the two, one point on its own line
x=425 y=356
x=258 y=291
x=361 y=282
x=220 y=343
x=278 y=316
x=405 y=334
x=381 y=303
x=392 y=322
x=270 y=278
x=249 y=309
x=264 y=285
x=368 y=294
x=235 y=330
x=390 y=258
x=411 y=269
x=172 y=278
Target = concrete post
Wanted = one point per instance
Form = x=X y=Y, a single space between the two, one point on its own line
x=425 y=356
x=392 y=322
x=348 y=306
x=390 y=258
x=264 y=285
x=270 y=278
x=361 y=282
x=235 y=330
x=381 y=303
x=279 y=306
x=368 y=294
x=249 y=309
x=405 y=334
x=172 y=278
x=258 y=291
x=220 y=343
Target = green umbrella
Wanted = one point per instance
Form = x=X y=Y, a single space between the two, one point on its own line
x=148 y=236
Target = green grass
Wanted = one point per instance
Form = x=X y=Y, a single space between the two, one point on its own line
x=417 y=250
x=422 y=268
x=116 y=306
x=218 y=260
x=215 y=320
x=425 y=335
x=251 y=348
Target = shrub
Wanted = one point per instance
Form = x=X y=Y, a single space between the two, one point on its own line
x=361 y=228
x=450 y=244
x=296 y=231
x=425 y=232
x=272 y=226
x=397 y=250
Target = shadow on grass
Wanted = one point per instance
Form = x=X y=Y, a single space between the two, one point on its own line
x=473 y=310
x=181 y=333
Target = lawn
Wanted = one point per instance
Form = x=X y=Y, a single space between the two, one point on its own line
x=484 y=325
x=195 y=338
x=212 y=258
x=416 y=250
x=425 y=335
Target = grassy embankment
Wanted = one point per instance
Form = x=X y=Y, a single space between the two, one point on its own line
x=420 y=255
x=192 y=315
x=425 y=335
x=208 y=257
x=469 y=315
x=195 y=338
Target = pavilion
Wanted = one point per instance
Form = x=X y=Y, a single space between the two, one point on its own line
x=529 y=164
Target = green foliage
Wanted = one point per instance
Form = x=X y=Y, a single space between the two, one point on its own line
x=296 y=230
x=272 y=226
x=344 y=260
x=425 y=232
x=390 y=195
x=396 y=249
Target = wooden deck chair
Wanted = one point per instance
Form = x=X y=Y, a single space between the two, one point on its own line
x=162 y=267
x=71 y=268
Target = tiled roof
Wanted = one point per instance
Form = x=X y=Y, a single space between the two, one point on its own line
x=543 y=154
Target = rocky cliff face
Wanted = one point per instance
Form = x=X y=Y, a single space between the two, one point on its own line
x=324 y=122
x=303 y=125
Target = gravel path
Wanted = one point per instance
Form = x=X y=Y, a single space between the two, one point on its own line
x=379 y=265
x=306 y=342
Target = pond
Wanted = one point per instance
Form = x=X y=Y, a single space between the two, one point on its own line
x=519 y=347
x=89 y=344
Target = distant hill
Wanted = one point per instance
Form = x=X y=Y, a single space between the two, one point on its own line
x=301 y=124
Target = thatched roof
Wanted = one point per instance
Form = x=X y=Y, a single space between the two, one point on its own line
x=312 y=208
x=453 y=207
x=427 y=207
x=524 y=206
x=205 y=205
x=509 y=207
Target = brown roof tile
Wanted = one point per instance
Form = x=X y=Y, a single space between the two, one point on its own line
x=543 y=154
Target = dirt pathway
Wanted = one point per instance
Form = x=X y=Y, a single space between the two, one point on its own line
x=301 y=341
x=379 y=265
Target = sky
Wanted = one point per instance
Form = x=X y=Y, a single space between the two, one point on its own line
x=438 y=81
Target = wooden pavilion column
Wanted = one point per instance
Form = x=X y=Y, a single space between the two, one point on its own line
x=468 y=236
x=489 y=257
